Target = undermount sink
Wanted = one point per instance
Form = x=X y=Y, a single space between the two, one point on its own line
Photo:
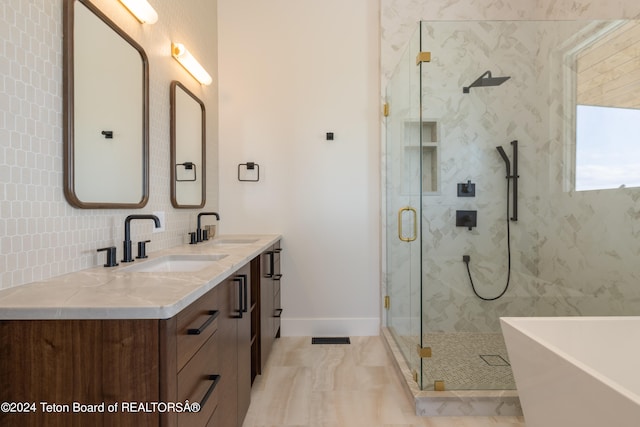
x=233 y=241
x=175 y=264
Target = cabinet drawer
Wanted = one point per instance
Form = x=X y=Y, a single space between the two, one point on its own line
x=195 y=324
x=198 y=381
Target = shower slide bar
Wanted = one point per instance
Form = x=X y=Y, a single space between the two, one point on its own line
x=514 y=176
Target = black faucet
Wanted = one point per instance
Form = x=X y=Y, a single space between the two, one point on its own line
x=127 y=234
x=199 y=229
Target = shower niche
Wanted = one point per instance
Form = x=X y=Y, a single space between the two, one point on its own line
x=421 y=145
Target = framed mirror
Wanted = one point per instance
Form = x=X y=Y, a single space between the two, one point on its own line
x=106 y=113
x=188 y=168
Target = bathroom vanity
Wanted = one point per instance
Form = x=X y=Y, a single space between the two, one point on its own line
x=124 y=346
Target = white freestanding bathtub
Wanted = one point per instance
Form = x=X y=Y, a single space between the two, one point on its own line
x=576 y=371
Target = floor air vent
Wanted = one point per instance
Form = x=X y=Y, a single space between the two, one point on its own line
x=330 y=340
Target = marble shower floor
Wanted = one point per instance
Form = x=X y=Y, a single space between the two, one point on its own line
x=464 y=361
x=341 y=386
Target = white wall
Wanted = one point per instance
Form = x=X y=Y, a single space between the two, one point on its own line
x=290 y=71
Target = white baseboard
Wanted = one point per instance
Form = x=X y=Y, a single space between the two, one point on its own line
x=355 y=327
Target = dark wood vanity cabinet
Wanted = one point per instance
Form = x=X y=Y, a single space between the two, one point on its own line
x=197 y=374
x=203 y=354
x=222 y=376
x=47 y=367
x=235 y=349
x=266 y=278
x=135 y=372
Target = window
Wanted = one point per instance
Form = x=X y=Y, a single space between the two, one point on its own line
x=607 y=147
x=608 y=109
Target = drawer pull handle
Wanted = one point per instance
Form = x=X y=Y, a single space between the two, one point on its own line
x=277 y=312
x=269 y=274
x=212 y=316
x=245 y=293
x=216 y=380
x=277 y=276
x=238 y=279
x=278 y=250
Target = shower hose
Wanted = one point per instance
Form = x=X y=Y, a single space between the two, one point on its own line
x=467 y=259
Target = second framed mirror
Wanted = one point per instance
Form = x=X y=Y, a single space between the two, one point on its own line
x=188 y=140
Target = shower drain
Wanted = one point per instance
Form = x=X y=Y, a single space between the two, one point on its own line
x=494 y=360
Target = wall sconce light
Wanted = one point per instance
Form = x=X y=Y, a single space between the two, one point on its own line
x=142 y=10
x=182 y=55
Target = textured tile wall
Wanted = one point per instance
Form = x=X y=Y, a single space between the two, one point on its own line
x=399 y=18
x=41 y=235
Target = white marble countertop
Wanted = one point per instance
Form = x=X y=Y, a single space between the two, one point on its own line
x=114 y=293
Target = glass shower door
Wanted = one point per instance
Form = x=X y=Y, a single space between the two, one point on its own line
x=403 y=208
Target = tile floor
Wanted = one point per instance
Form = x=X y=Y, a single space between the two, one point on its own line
x=340 y=386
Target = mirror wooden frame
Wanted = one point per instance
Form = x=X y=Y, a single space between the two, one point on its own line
x=175 y=85
x=69 y=110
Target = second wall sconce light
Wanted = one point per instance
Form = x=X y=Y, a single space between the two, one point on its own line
x=182 y=55
x=142 y=10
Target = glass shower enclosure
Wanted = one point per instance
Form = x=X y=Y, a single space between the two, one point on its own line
x=447 y=196
x=404 y=194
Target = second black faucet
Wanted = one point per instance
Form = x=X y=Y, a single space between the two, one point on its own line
x=199 y=234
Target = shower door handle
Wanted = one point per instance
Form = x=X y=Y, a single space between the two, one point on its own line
x=415 y=224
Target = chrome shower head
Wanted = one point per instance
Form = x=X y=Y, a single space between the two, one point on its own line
x=486 y=80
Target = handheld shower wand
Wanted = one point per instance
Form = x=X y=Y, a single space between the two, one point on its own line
x=466 y=258
x=505 y=158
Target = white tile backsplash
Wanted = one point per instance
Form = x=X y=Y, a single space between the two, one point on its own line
x=41 y=235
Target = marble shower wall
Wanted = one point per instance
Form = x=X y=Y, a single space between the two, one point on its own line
x=589 y=240
x=470 y=127
x=572 y=253
x=399 y=18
